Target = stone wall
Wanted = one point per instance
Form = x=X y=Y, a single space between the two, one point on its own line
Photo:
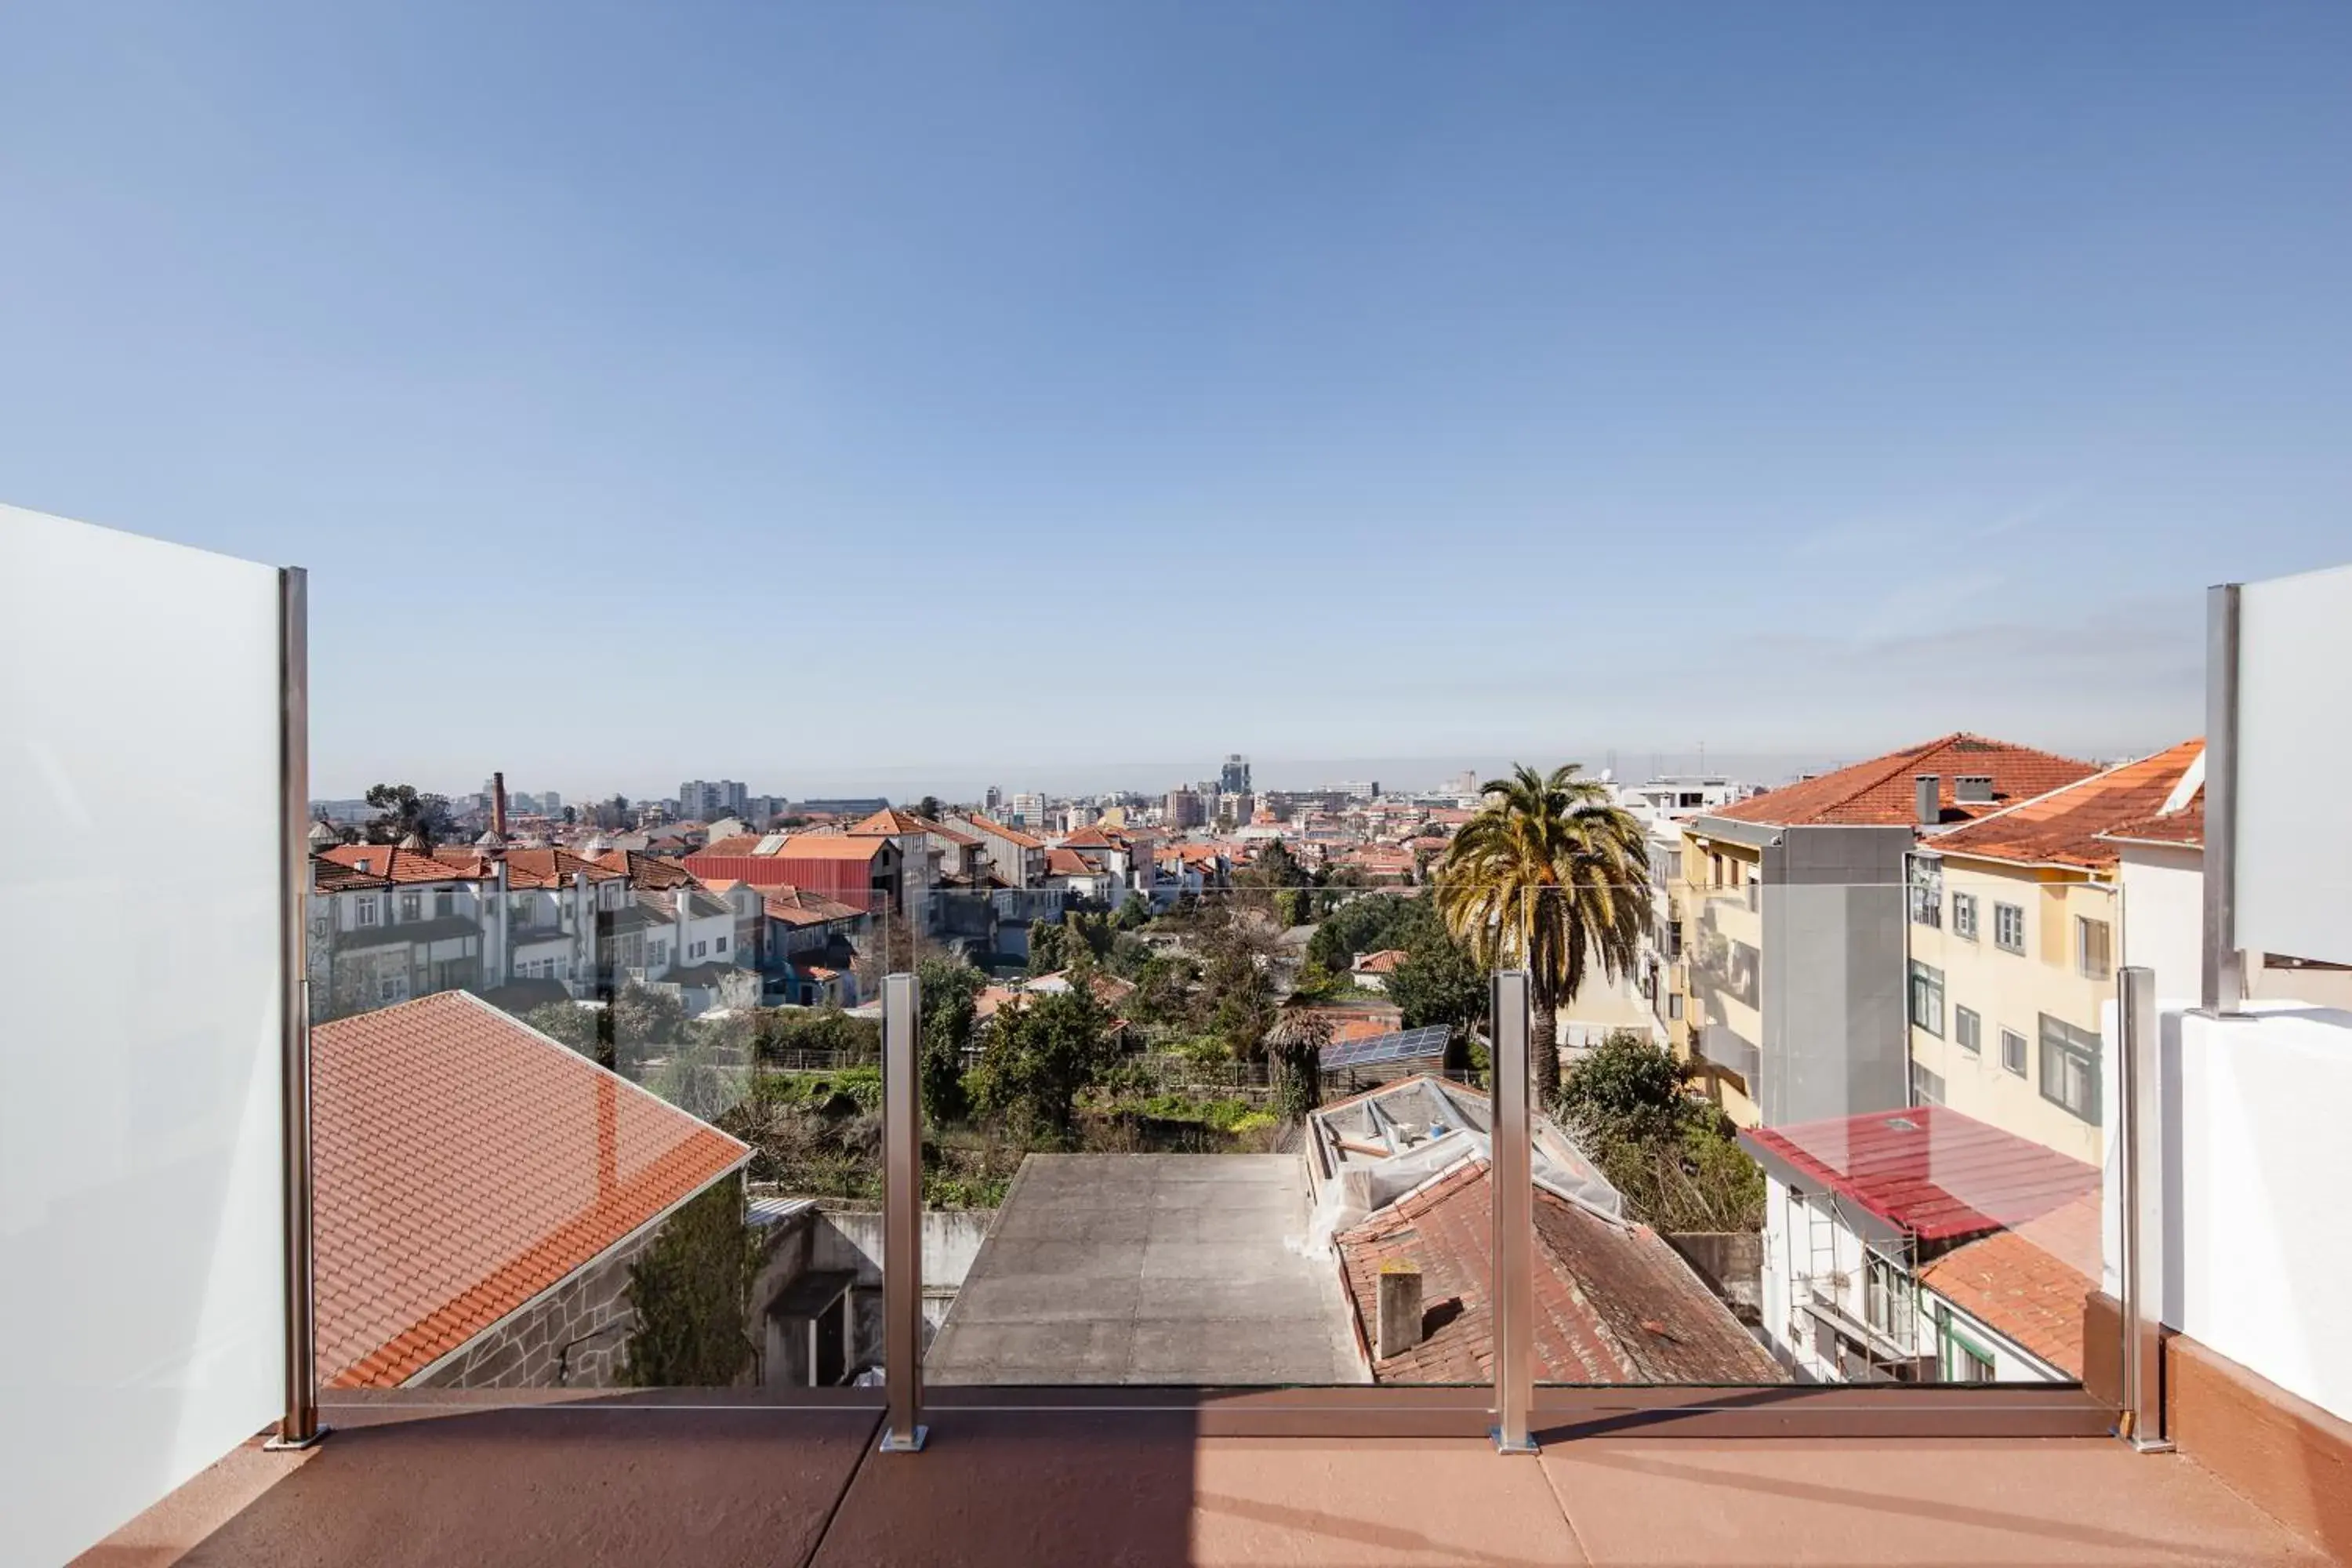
x=1732 y=1264
x=572 y=1337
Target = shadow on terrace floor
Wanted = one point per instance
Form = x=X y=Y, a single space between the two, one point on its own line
x=584 y=1485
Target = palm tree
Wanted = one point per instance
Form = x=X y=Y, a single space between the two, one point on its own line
x=1552 y=877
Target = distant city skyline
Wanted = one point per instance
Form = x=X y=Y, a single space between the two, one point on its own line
x=1154 y=780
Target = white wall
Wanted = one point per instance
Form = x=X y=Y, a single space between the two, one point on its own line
x=140 y=1199
x=2164 y=916
x=2295 y=685
x=2259 y=1253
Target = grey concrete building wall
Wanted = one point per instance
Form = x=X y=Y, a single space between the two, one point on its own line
x=1832 y=977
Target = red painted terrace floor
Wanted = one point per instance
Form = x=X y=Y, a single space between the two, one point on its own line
x=710 y=1487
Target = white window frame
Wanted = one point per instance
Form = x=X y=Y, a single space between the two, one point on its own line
x=363 y=910
x=1968 y=1029
x=2106 y=967
x=2002 y=920
x=1964 y=916
x=2019 y=1066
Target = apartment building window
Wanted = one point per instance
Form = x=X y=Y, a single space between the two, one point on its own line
x=1927 y=998
x=1887 y=1297
x=1965 y=1361
x=2013 y=1051
x=1964 y=916
x=1926 y=1087
x=1674 y=1006
x=363 y=910
x=2009 y=927
x=1926 y=890
x=1967 y=1030
x=444 y=903
x=2094 y=948
x=1715 y=863
x=2069 y=1068
x=412 y=906
x=322 y=927
x=722 y=944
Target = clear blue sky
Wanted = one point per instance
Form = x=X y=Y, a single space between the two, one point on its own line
x=810 y=393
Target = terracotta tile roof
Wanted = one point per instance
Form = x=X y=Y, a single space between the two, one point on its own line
x=465 y=1163
x=555 y=869
x=1381 y=963
x=1069 y=863
x=955 y=836
x=741 y=844
x=889 y=821
x=393 y=864
x=795 y=907
x=1928 y=1171
x=2067 y=826
x=829 y=847
x=1010 y=835
x=2185 y=828
x=2028 y=1284
x=1092 y=838
x=1614 y=1302
x=1882 y=791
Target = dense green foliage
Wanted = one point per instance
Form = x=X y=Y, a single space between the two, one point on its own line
x=1041 y=1052
x=1675 y=1157
x=691 y=1291
x=951 y=991
x=403 y=810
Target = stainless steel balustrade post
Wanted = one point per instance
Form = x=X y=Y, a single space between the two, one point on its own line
x=902 y=1216
x=1514 y=1240
x=2139 y=1154
x=299 y=1428
x=2224 y=980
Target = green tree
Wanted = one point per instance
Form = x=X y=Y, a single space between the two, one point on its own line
x=705 y=1070
x=580 y=1028
x=1040 y=1053
x=403 y=811
x=1553 y=876
x=784 y=1030
x=929 y=807
x=1134 y=913
x=1439 y=983
x=640 y=1021
x=691 y=1290
x=1294 y=1050
x=1674 y=1158
x=950 y=989
x=1049 y=947
x=1631 y=1084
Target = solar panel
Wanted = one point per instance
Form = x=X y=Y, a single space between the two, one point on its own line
x=1411 y=1045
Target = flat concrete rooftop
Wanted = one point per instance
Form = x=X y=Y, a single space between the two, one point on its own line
x=1149 y=1268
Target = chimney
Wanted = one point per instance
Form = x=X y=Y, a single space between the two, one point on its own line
x=1931 y=806
x=1398 y=1324
x=499 y=805
x=1972 y=789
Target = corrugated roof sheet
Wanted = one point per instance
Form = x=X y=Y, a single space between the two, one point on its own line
x=1927 y=1170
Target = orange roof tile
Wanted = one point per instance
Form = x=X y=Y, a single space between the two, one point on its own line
x=1068 y=863
x=1882 y=791
x=2029 y=1283
x=555 y=869
x=1381 y=963
x=2185 y=828
x=465 y=1163
x=890 y=820
x=1010 y=835
x=830 y=847
x=393 y=864
x=1614 y=1303
x=2067 y=826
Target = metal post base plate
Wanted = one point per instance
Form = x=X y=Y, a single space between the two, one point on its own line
x=1502 y=1446
x=893 y=1443
x=285 y=1445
